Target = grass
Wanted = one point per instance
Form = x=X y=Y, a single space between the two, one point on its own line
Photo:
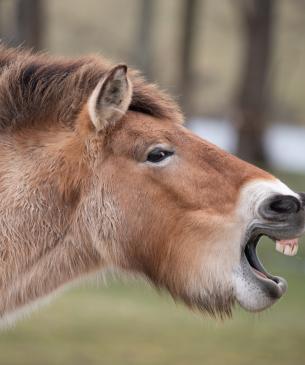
x=131 y=324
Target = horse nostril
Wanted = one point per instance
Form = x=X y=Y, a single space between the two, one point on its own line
x=302 y=196
x=284 y=204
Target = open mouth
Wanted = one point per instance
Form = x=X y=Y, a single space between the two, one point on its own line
x=281 y=218
x=274 y=285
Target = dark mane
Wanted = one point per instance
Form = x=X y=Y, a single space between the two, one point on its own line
x=36 y=87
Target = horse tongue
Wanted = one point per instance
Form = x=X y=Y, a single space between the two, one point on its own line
x=287 y=247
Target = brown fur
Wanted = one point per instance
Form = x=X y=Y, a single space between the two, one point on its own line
x=74 y=201
x=33 y=86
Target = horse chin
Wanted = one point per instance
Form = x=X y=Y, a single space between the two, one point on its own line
x=217 y=302
x=254 y=292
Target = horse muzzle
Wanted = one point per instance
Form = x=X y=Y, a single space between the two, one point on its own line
x=282 y=219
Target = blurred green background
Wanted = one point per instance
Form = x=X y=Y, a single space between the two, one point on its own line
x=204 y=52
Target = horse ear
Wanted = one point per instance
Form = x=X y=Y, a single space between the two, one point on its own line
x=111 y=97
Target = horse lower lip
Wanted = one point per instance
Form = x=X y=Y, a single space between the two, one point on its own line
x=253 y=290
x=273 y=285
x=260 y=273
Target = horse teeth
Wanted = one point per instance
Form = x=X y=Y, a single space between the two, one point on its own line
x=294 y=250
x=287 y=247
x=288 y=250
x=279 y=247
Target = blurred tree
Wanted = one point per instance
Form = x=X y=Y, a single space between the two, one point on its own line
x=29 y=23
x=143 y=47
x=2 y=32
x=253 y=96
x=189 y=11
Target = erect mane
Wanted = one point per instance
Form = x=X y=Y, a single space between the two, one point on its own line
x=37 y=87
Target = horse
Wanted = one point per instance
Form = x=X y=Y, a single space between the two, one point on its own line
x=97 y=173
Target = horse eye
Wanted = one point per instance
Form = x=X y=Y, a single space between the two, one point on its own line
x=158 y=155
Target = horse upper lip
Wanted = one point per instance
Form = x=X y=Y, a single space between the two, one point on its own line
x=282 y=216
x=274 y=230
